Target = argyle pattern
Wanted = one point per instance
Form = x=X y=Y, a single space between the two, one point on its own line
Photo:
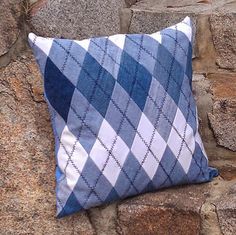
x=123 y=115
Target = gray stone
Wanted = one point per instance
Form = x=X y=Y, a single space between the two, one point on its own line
x=187 y=6
x=103 y=219
x=151 y=22
x=77 y=19
x=153 y=16
x=226 y=167
x=203 y=99
x=27 y=198
x=226 y=210
x=204 y=95
x=129 y=3
x=211 y=36
x=223 y=27
x=125 y=18
x=210 y=224
x=204 y=50
x=9 y=15
x=232 y=189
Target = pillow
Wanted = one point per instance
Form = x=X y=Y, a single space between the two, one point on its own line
x=123 y=115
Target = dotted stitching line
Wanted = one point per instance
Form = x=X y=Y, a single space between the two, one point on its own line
x=156 y=123
x=156 y=106
x=118 y=108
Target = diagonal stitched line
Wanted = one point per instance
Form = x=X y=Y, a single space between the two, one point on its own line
x=117 y=107
x=114 y=103
x=110 y=151
x=157 y=121
x=88 y=106
x=156 y=106
x=83 y=120
x=131 y=124
x=61 y=204
x=128 y=118
x=182 y=143
x=121 y=124
x=172 y=77
x=201 y=171
x=174 y=39
x=103 y=145
x=57 y=136
x=66 y=58
x=146 y=93
x=62 y=70
x=78 y=171
x=180 y=91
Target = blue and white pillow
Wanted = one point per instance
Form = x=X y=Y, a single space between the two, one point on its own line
x=123 y=115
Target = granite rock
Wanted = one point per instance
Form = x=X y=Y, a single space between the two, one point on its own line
x=171 y=211
x=10 y=12
x=76 y=19
x=223 y=27
x=103 y=219
x=223 y=118
x=226 y=211
x=214 y=43
x=129 y=3
x=27 y=179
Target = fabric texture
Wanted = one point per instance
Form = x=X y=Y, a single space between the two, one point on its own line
x=123 y=115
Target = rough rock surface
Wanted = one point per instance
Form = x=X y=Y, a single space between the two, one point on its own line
x=204 y=50
x=201 y=87
x=27 y=198
x=150 y=22
x=172 y=211
x=214 y=41
x=129 y=3
x=223 y=118
x=186 y=6
x=77 y=19
x=27 y=181
x=224 y=38
x=140 y=21
x=226 y=210
x=104 y=218
x=9 y=31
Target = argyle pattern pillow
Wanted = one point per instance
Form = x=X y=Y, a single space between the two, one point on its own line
x=123 y=115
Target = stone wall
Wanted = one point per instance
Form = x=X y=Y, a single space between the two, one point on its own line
x=27 y=198
x=77 y=19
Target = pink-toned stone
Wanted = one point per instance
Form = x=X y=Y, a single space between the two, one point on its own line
x=27 y=179
x=171 y=211
x=9 y=31
x=223 y=27
x=223 y=118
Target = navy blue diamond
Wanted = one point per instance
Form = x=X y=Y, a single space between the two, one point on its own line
x=137 y=81
x=169 y=73
x=96 y=84
x=58 y=89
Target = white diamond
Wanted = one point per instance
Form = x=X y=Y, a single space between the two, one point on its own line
x=175 y=140
x=78 y=157
x=118 y=40
x=84 y=43
x=156 y=143
x=100 y=152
